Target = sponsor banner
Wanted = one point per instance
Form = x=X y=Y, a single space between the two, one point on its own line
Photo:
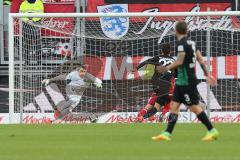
x=4 y=118
x=130 y=117
x=163 y=25
x=119 y=68
x=184 y=117
x=177 y=7
x=117 y=117
x=43 y=118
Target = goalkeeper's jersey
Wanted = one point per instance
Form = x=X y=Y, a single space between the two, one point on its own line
x=75 y=85
x=74 y=79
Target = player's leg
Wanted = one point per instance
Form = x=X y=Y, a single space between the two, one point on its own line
x=173 y=115
x=175 y=103
x=162 y=102
x=66 y=107
x=71 y=103
x=164 y=111
x=158 y=103
x=196 y=108
x=143 y=111
x=212 y=133
x=74 y=99
x=201 y=115
x=172 y=119
x=152 y=111
x=192 y=98
x=62 y=108
x=57 y=113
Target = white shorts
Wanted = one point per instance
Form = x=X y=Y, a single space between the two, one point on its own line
x=75 y=99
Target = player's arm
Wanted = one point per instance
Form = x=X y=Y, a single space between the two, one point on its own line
x=211 y=80
x=174 y=65
x=57 y=78
x=148 y=61
x=153 y=61
x=92 y=79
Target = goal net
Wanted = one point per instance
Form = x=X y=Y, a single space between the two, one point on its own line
x=110 y=46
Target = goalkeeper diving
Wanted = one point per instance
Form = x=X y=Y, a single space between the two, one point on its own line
x=77 y=82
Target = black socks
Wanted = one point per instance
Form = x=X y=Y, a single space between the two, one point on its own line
x=172 y=119
x=150 y=112
x=204 y=119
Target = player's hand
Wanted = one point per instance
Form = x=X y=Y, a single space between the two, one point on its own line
x=46 y=82
x=98 y=83
x=211 y=80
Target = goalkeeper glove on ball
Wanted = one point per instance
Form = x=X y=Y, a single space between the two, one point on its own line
x=46 y=82
x=98 y=83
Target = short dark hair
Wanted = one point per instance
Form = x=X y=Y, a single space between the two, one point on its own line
x=166 y=48
x=81 y=67
x=181 y=27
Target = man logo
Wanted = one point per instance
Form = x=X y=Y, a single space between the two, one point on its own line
x=114 y=27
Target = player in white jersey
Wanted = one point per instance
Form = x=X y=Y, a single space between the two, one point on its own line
x=77 y=82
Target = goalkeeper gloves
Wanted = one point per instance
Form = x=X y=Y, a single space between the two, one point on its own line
x=46 y=82
x=98 y=83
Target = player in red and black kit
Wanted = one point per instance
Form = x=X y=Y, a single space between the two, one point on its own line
x=162 y=86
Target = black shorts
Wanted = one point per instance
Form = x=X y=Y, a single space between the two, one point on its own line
x=187 y=95
x=162 y=100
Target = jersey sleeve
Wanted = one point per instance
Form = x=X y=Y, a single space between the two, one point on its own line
x=180 y=47
x=69 y=76
x=148 y=61
x=89 y=77
x=59 y=78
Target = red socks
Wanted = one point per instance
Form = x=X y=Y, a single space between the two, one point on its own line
x=142 y=112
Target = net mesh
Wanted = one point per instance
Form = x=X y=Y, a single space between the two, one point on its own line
x=111 y=47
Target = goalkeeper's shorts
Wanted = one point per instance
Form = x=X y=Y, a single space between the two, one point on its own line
x=75 y=99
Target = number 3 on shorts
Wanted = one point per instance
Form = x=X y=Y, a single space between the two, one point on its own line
x=187 y=98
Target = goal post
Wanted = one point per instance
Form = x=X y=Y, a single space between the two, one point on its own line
x=112 y=45
x=11 y=67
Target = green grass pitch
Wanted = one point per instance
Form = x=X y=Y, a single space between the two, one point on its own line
x=116 y=142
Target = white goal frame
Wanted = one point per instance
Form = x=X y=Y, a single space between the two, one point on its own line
x=86 y=15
